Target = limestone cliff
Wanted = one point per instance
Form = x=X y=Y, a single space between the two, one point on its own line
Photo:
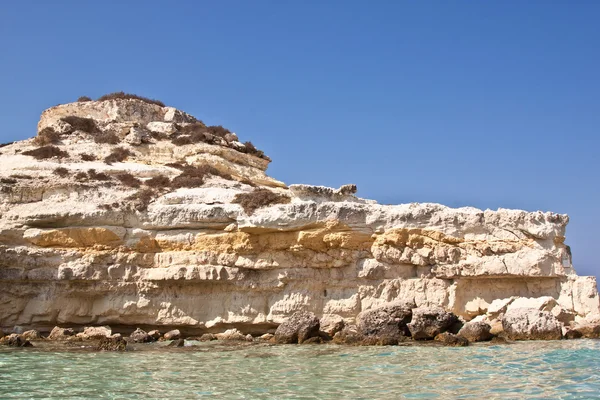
x=130 y=214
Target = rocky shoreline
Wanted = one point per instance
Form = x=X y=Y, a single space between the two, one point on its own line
x=390 y=325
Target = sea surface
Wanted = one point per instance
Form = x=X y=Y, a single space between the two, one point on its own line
x=524 y=370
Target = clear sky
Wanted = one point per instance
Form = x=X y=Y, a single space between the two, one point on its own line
x=482 y=103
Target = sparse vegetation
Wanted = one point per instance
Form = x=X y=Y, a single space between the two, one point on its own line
x=129 y=96
x=118 y=154
x=47 y=136
x=5 y=144
x=62 y=172
x=142 y=199
x=107 y=137
x=159 y=181
x=178 y=165
x=87 y=125
x=88 y=157
x=218 y=130
x=259 y=198
x=192 y=176
x=81 y=176
x=98 y=176
x=159 y=135
x=182 y=140
x=129 y=180
x=83 y=99
x=21 y=176
x=249 y=148
x=45 y=152
x=8 y=181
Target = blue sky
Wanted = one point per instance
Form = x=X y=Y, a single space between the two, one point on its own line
x=487 y=104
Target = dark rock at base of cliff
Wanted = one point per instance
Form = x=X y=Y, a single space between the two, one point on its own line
x=31 y=335
x=450 y=339
x=387 y=323
x=428 y=322
x=301 y=326
x=589 y=331
x=172 y=335
x=351 y=335
x=15 y=340
x=573 y=334
x=154 y=334
x=177 y=343
x=207 y=337
x=476 y=331
x=59 y=333
x=141 y=336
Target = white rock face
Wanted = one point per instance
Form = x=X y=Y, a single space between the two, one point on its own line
x=77 y=249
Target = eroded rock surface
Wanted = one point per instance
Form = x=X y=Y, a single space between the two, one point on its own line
x=299 y=328
x=129 y=214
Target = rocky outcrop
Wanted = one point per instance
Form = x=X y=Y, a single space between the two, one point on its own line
x=428 y=322
x=130 y=214
x=141 y=336
x=531 y=324
x=476 y=331
x=385 y=324
x=59 y=333
x=299 y=328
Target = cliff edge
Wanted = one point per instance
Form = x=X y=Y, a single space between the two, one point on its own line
x=129 y=213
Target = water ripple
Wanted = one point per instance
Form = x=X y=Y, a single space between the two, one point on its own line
x=531 y=370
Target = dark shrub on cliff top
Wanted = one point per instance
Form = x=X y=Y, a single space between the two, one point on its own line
x=87 y=125
x=47 y=136
x=129 y=96
x=259 y=198
x=249 y=148
x=117 y=155
x=218 y=130
x=83 y=99
x=45 y=152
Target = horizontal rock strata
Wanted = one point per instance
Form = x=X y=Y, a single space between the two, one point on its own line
x=130 y=214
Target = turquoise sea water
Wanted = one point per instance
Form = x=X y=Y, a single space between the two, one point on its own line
x=531 y=370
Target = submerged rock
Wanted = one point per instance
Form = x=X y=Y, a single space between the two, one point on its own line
x=450 y=339
x=301 y=326
x=177 y=343
x=207 y=337
x=112 y=344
